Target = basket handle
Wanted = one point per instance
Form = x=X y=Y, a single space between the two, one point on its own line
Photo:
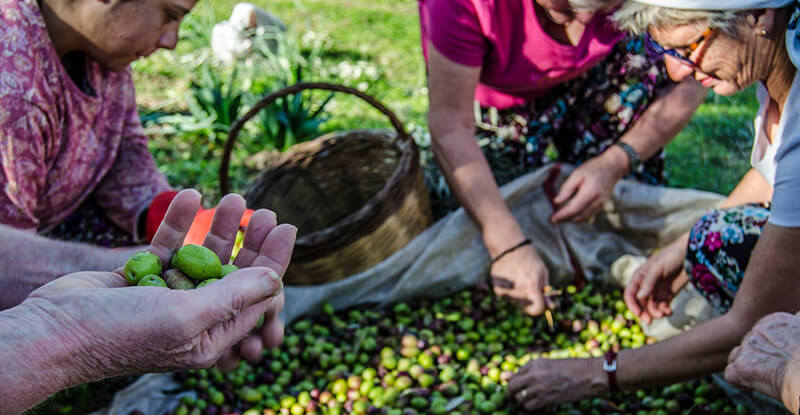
x=224 y=183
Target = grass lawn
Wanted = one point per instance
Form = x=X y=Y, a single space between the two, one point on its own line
x=711 y=154
x=384 y=33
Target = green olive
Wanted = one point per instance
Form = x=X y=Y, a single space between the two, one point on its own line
x=197 y=262
x=260 y=322
x=151 y=280
x=228 y=268
x=141 y=264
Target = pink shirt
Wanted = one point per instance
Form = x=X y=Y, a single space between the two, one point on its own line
x=518 y=59
x=59 y=145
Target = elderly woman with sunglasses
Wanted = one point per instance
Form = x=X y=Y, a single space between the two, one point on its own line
x=746 y=249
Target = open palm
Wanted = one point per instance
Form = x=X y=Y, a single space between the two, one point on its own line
x=118 y=329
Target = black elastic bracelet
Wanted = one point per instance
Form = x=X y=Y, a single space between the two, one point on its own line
x=633 y=157
x=527 y=241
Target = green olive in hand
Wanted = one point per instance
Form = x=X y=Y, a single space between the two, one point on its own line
x=151 y=280
x=228 y=268
x=198 y=262
x=141 y=264
x=207 y=282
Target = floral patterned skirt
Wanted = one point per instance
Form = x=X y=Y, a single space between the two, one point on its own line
x=574 y=122
x=720 y=245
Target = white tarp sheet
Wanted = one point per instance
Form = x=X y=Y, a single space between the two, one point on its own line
x=450 y=256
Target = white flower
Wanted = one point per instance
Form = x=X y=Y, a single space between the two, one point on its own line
x=309 y=37
x=420 y=135
x=371 y=72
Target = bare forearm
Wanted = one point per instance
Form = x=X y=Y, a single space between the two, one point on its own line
x=769 y=286
x=30 y=261
x=473 y=184
x=452 y=125
x=699 y=351
x=753 y=188
x=665 y=118
x=31 y=370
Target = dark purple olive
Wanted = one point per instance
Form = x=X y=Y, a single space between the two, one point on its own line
x=265 y=378
x=684 y=400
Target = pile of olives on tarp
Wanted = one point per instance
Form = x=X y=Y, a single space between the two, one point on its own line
x=452 y=355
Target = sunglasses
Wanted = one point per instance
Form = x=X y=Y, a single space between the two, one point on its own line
x=691 y=48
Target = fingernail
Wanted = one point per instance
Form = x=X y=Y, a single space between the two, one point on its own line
x=273 y=214
x=272 y=274
x=277 y=278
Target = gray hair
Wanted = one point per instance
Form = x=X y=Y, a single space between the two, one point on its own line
x=590 y=5
x=637 y=18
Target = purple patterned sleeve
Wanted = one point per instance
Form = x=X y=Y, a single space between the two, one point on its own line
x=134 y=179
x=22 y=159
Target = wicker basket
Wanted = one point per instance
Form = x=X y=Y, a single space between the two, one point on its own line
x=356 y=196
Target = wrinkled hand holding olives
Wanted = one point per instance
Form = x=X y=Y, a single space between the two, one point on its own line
x=193 y=266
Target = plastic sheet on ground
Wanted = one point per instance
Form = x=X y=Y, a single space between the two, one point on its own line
x=758 y=402
x=450 y=256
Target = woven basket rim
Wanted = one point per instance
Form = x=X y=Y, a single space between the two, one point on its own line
x=378 y=208
x=357 y=222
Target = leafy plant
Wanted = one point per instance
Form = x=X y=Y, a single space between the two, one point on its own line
x=197 y=26
x=290 y=120
x=282 y=59
x=214 y=102
x=212 y=97
x=217 y=96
